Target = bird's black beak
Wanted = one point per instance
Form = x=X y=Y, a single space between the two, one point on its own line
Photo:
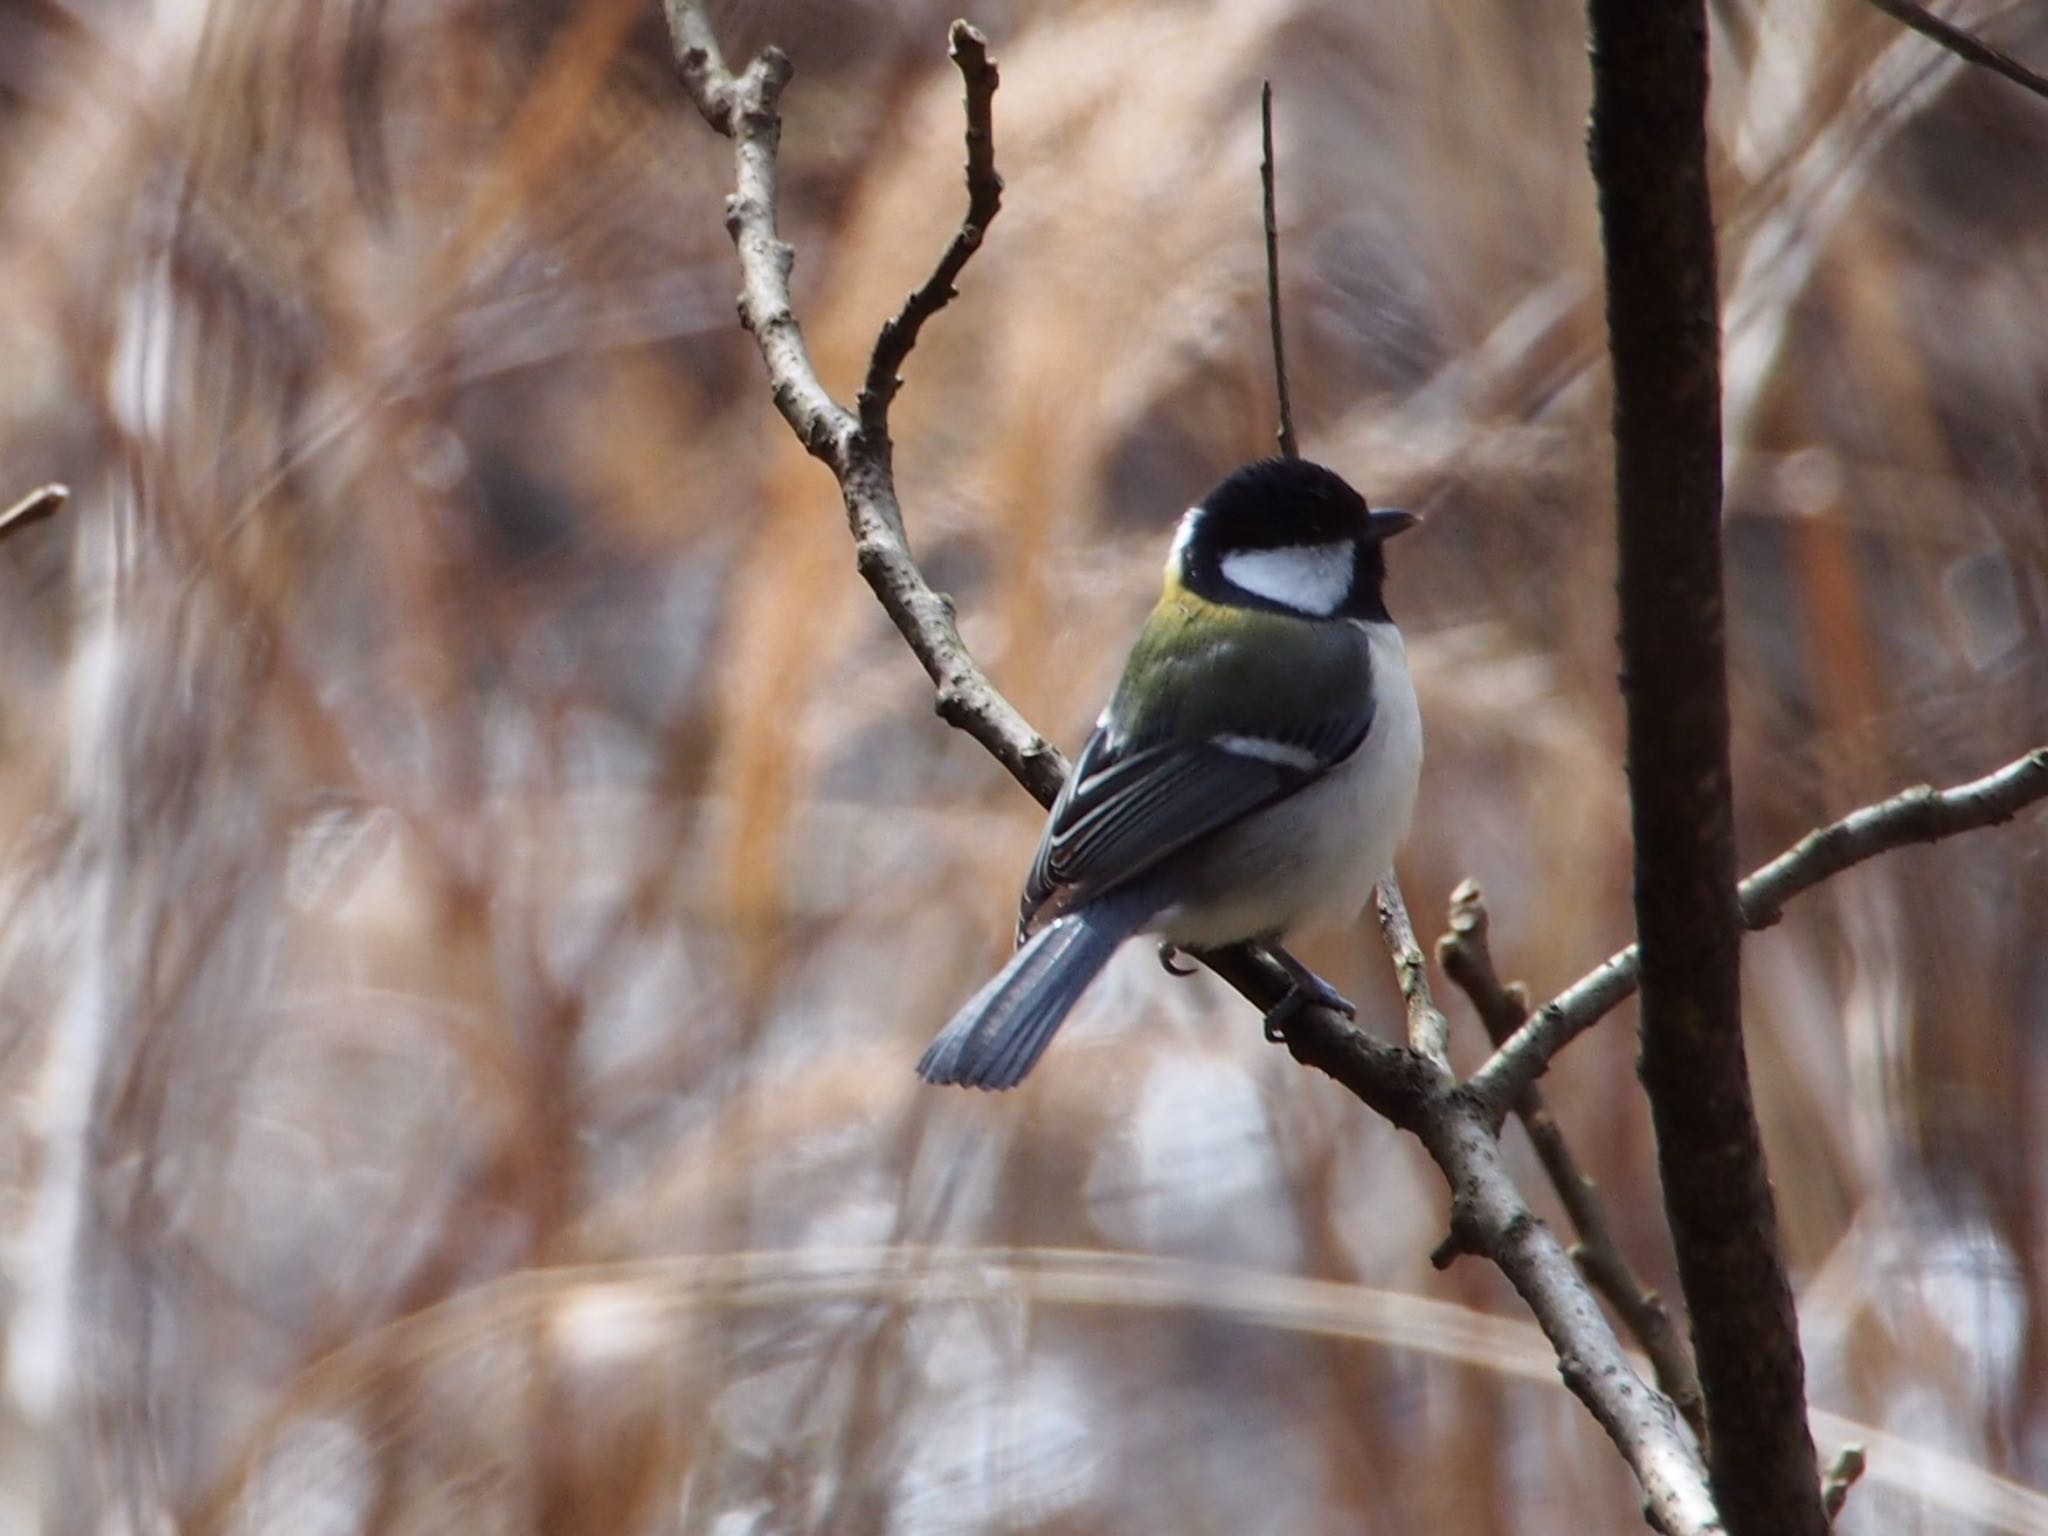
x=1382 y=523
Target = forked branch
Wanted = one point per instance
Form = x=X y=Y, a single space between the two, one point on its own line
x=1466 y=955
x=45 y=501
x=744 y=108
x=969 y=52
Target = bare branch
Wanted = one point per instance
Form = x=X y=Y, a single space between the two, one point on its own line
x=969 y=51
x=1489 y=1217
x=1290 y=448
x=701 y=63
x=1467 y=958
x=744 y=109
x=1919 y=815
x=43 y=502
x=1963 y=44
x=1922 y=814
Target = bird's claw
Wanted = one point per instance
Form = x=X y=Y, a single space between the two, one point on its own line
x=1168 y=954
x=1309 y=991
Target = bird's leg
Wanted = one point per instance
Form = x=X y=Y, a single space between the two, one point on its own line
x=1308 y=991
x=1169 y=952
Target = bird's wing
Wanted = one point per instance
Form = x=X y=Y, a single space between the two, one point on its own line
x=1216 y=738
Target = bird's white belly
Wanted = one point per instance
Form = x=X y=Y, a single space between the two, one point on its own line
x=1312 y=859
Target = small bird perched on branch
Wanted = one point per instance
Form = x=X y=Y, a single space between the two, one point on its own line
x=1252 y=776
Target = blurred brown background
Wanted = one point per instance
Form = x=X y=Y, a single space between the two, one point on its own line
x=476 y=867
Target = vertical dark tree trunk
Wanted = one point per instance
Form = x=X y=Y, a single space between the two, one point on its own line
x=1649 y=152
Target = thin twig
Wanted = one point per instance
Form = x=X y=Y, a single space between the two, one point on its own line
x=42 y=502
x=1289 y=447
x=1411 y=1089
x=1842 y=1475
x=1919 y=815
x=1429 y=1035
x=1963 y=44
x=969 y=51
x=1466 y=955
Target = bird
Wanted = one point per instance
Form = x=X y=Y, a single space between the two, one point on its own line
x=1252 y=776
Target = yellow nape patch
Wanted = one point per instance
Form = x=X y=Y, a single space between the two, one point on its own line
x=1175 y=594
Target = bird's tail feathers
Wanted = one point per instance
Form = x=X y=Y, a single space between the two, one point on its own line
x=999 y=1033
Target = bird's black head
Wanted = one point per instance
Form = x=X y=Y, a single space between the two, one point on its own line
x=1289 y=536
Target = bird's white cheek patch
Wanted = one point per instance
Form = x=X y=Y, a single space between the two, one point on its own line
x=1176 y=557
x=1310 y=578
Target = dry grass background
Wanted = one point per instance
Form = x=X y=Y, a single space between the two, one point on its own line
x=476 y=867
